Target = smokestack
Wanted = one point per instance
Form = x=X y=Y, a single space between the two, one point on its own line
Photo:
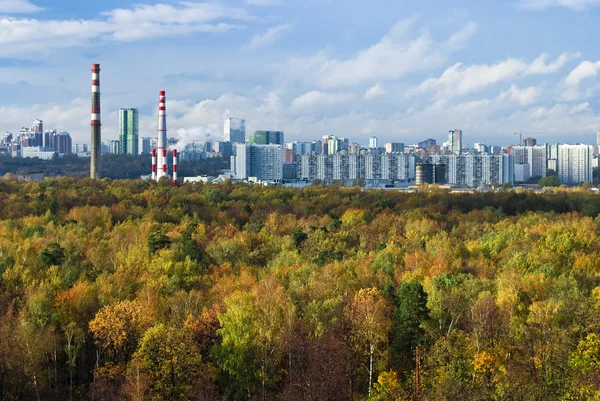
x=154 y=164
x=96 y=141
x=161 y=145
x=174 y=165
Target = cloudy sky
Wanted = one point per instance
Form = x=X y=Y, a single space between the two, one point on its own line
x=402 y=70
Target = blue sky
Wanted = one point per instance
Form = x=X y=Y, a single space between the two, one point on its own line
x=401 y=70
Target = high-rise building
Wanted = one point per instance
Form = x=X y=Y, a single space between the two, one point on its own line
x=455 y=141
x=529 y=142
x=267 y=138
x=111 y=146
x=37 y=129
x=427 y=143
x=535 y=157
x=235 y=130
x=473 y=170
x=394 y=147
x=144 y=146
x=368 y=166
x=334 y=145
x=261 y=161
x=61 y=143
x=373 y=142
x=575 y=163
x=128 y=131
x=598 y=139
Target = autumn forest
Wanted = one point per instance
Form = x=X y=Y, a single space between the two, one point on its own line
x=135 y=290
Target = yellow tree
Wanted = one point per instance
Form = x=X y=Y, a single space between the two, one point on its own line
x=368 y=314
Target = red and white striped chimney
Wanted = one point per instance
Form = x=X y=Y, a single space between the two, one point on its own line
x=154 y=164
x=96 y=140
x=174 y=165
x=161 y=145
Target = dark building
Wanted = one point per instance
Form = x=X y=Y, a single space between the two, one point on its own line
x=424 y=173
x=267 y=138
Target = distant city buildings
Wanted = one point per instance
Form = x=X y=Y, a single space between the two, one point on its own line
x=427 y=143
x=111 y=146
x=35 y=142
x=373 y=142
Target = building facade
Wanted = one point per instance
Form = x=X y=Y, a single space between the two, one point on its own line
x=261 y=161
x=455 y=141
x=235 y=130
x=128 y=132
x=575 y=163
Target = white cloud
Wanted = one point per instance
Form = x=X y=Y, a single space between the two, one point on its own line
x=397 y=54
x=18 y=6
x=586 y=69
x=315 y=100
x=375 y=91
x=270 y=36
x=460 y=80
x=19 y=35
x=577 y=5
x=524 y=97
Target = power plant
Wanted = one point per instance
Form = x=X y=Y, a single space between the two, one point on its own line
x=159 y=155
x=96 y=140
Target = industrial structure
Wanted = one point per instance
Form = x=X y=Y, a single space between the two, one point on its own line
x=96 y=140
x=159 y=155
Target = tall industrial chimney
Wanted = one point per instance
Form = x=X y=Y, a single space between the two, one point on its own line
x=96 y=140
x=161 y=143
x=174 y=165
x=154 y=164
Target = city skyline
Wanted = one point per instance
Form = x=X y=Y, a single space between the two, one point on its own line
x=353 y=71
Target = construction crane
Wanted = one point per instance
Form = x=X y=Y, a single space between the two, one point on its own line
x=521 y=136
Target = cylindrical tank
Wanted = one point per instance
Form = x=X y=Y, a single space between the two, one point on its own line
x=440 y=173
x=424 y=173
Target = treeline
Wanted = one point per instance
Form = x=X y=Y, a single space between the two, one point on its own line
x=113 y=166
x=131 y=290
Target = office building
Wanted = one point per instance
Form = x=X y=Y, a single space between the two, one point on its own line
x=235 y=130
x=128 y=132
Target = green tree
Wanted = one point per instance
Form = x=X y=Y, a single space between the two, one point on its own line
x=169 y=362
x=238 y=356
x=410 y=314
x=368 y=316
x=550 y=181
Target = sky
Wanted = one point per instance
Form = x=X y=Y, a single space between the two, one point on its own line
x=401 y=70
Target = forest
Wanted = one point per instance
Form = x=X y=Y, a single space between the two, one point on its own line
x=135 y=290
